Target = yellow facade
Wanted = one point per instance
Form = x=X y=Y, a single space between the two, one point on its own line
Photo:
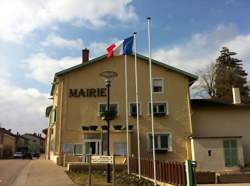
x=7 y=149
x=220 y=123
x=74 y=112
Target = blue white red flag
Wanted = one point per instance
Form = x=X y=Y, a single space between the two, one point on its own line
x=123 y=47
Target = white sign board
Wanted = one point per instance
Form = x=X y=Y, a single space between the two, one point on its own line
x=102 y=159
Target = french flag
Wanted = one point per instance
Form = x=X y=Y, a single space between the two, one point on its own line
x=123 y=47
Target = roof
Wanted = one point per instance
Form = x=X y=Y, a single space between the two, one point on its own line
x=190 y=76
x=19 y=136
x=45 y=131
x=8 y=132
x=216 y=102
x=34 y=135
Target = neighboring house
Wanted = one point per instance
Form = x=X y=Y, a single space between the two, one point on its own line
x=1 y=143
x=221 y=133
x=36 y=142
x=7 y=143
x=45 y=131
x=79 y=97
x=21 y=143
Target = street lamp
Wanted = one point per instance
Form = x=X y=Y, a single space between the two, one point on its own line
x=108 y=77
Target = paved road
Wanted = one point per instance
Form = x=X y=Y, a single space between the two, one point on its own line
x=42 y=173
x=9 y=170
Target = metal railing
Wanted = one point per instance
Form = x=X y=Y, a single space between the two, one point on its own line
x=167 y=172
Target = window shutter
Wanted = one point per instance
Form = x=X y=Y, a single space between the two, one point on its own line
x=227 y=155
x=234 y=150
x=164 y=141
x=230 y=152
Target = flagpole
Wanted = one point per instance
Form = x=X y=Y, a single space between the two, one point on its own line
x=137 y=110
x=151 y=97
x=126 y=105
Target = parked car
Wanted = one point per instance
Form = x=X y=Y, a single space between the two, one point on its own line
x=18 y=155
x=27 y=155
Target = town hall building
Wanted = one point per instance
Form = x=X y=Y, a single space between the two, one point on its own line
x=79 y=98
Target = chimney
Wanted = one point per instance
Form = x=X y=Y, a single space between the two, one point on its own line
x=85 y=55
x=236 y=96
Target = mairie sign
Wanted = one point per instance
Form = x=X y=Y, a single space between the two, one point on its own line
x=88 y=92
x=102 y=159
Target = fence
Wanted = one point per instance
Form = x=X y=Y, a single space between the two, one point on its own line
x=168 y=172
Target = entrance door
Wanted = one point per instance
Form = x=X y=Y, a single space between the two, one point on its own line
x=230 y=153
x=92 y=146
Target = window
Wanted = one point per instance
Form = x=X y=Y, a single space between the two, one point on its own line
x=120 y=148
x=157 y=85
x=68 y=148
x=162 y=142
x=78 y=149
x=52 y=117
x=230 y=153
x=133 y=109
x=103 y=108
x=160 y=109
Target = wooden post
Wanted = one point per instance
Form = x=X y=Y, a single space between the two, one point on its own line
x=114 y=171
x=89 y=170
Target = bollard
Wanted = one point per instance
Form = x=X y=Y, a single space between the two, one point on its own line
x=89 y=170
x=114 y=172
x=190 y=172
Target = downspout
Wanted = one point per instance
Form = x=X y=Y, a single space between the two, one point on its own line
x=188 y=142
x=61 y=119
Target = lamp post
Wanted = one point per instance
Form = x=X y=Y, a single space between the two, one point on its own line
x=108 y=77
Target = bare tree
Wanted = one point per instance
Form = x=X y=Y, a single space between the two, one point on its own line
x=206 y=82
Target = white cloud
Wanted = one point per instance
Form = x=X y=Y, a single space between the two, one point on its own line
x=98 y=48
x=241 y=45
x=42 y=67
x=22 y=109
x=4 y=73
x=20 y=17
x=55 y=40
x=203 y=48
x=58 y=41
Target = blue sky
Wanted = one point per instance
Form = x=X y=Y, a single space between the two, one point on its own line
x=38 y=38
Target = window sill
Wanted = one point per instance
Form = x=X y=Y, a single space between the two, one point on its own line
x=161 y=150
x=134 y=115
x=159 y=114
x=158 y=92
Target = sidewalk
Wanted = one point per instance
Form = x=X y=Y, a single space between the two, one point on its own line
x=42 y=173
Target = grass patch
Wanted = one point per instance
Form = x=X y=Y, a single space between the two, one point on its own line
x=98 y=178
x=81 y=178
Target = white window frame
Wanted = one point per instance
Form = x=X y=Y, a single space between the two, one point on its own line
x=158 y=134
x=105 y=103
x=129 y=109
x=93 y=140
x=74 y=149
x=157 y=102
x=158 y=78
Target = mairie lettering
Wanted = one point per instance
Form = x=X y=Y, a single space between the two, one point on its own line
x=89 y=92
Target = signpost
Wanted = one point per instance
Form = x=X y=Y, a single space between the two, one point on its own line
x=102 y=159
x=96 y=159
